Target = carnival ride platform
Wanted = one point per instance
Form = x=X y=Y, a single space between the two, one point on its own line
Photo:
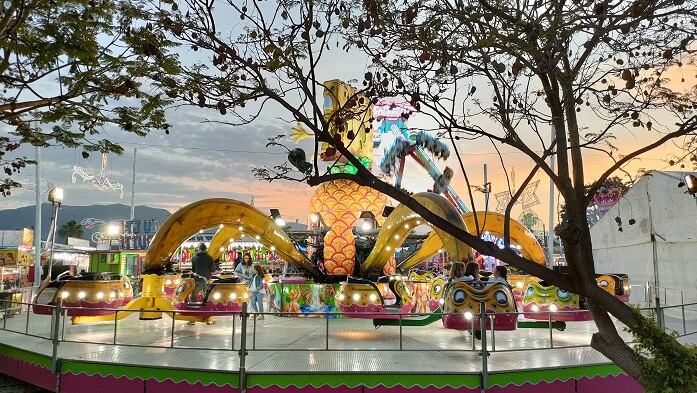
x=304 y=354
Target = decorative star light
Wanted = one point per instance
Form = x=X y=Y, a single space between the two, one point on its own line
x=528 y=198
x=44 y=184
x=101 y=182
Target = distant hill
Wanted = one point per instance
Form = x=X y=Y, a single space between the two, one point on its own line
x=23 y=217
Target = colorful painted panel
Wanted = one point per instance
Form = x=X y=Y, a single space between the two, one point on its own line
x=306 y=298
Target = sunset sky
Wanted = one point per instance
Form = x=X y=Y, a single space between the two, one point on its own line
x=203 y=160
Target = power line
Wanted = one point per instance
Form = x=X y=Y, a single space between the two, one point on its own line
x=201 y=148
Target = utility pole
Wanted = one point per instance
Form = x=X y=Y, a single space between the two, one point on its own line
x=133 y=186
x=550 y=228
x=37 y=220
x=486 y=189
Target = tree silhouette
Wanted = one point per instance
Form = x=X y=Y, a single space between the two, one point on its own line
x=71 y=229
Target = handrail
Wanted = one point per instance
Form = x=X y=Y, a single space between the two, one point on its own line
x=480 y=318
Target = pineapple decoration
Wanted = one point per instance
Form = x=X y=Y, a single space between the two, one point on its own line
x=340 y=203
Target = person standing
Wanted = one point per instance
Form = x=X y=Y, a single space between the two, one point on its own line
x=256 y=287
x=202 y=264
x=244 y=270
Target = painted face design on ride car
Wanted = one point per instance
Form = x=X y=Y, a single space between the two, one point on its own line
x=460 y=297
x=540 y=294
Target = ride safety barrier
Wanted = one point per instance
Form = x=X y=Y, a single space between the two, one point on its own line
x=244 y=332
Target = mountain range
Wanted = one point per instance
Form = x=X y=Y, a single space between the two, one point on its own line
x=23 y=217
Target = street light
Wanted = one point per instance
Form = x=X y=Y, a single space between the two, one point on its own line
x=55 y=196
x=691 y=182
x=276 y=215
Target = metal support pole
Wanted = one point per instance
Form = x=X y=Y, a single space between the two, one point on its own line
x=55 y=325
x=493 y=333
x=682 y=305
x=63 y=325
x=486 y=189
x=400 y=330
x=133 y=186
x=551 y=339
x=656 y=281
x=116 y=319
x=326 y=333
x=234 y=318
x=254 y=331
x=484 y=353
x=474 y=344
x=26 y=326
x=37 y=221
x=4 y=316
x=243 y=349
x=53 y=240
x=171 y=341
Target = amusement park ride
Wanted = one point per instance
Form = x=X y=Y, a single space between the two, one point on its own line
x=336 y=280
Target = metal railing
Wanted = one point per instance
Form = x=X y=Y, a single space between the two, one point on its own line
x=477 y=321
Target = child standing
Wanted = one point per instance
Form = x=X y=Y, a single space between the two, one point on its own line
x=256 y=287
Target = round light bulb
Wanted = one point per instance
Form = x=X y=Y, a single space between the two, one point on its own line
x=100 y=295
x=373 y=297
x=233 y=296
x=468 y=315
x=535 y=308
x=221 y=226
x=356 y=297
x=65 y=294
x=341 y=297
x=216 y=296
x=553 y=308
x=239 y=228
x=519 y=285
x=81 y=295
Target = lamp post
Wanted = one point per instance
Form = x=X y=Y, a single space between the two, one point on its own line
x=55 y=196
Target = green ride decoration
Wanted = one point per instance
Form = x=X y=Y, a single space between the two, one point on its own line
x=349 y=167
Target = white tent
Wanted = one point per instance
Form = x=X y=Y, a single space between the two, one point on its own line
x=660 y=249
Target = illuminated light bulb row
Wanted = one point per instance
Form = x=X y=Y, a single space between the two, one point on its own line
x=83 y=294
